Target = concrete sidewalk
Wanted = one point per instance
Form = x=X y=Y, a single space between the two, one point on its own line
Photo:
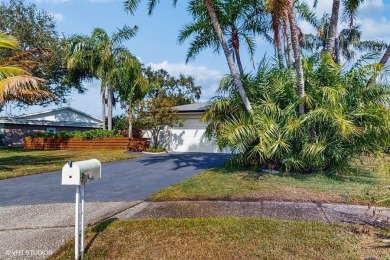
x=36 y=231
x=328 y=213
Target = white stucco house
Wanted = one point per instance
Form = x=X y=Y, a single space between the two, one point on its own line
x=189 y=137
x=14 y=129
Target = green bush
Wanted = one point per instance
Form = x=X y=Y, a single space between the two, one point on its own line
x=156 y=150
x=344 y=117
x=90 y=134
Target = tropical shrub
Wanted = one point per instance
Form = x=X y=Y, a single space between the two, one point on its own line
x=90 y=134
x=344 y=117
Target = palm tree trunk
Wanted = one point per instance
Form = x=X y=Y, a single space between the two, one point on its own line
x=228 y=55
x=109 y=108
x=130 y=116
x=297 y=56
x=382 y=62
x=280 y=55
x=103 y=92
x=239 y=64
x=334 y=19
x=337 y=51
x=287 y=44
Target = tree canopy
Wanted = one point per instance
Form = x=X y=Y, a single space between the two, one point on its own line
x=36 y=29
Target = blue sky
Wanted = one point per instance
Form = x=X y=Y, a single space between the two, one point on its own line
x=156 y=41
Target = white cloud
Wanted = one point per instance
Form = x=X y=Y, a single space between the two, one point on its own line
x=58 y=17
x=52 y=1
x=205 y=77
x=375 y=29
x=372 y=4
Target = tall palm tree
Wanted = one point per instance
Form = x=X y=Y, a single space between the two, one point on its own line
x=129 y=83
x=297 y=53
x=240 y=21
x=347 y=43
x=282 y=10
x=96 y=55
x=16 y=82
x=350 y=10
x=130 y=6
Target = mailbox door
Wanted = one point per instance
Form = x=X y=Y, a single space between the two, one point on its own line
x=71 y=175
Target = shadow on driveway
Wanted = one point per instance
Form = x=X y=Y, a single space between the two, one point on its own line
x=198 y=161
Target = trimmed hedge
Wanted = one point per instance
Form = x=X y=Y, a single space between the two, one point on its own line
x=90 y=134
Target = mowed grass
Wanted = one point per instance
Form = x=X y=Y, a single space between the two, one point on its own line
x=224 y=238
x=16 y=162
x=362 y=184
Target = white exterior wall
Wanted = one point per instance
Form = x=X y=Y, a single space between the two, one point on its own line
x=187 y=138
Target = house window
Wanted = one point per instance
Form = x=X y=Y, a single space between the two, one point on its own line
x=51 y=130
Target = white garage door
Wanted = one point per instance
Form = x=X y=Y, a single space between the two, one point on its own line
x=189 y=138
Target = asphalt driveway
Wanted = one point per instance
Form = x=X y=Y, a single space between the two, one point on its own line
x=128 y=180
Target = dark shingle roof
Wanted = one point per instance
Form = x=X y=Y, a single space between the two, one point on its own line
x=195 y=107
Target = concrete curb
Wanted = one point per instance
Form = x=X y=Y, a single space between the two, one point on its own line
x=328 y=213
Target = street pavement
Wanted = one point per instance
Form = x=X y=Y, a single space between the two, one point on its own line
x=127 y=180
x=37 y=212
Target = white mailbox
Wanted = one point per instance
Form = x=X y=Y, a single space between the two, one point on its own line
x=78 y=173
x=74 y=173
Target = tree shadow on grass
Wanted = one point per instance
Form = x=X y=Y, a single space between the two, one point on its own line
x=8 y=163
x=99 y=228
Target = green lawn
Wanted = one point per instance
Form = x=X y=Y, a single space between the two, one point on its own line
x=226 y=238
x=16 y=162
x=358 y=186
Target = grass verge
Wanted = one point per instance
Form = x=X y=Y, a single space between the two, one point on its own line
x=16 y=162
x=359 y=186
x=224 y=238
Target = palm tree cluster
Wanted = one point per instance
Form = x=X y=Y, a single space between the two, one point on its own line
x=305 y=112
x=104 y=58
x=344 y=117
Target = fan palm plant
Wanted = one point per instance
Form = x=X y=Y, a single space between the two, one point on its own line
x=344 y=117
x=16 y=82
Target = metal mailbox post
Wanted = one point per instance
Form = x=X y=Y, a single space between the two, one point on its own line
x=77 y=173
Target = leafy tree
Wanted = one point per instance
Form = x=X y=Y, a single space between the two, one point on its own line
x=180 y=90
x=35 y=29
x=156 y=115
x=131 y=5
x=96 y=56
x=16 y=82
